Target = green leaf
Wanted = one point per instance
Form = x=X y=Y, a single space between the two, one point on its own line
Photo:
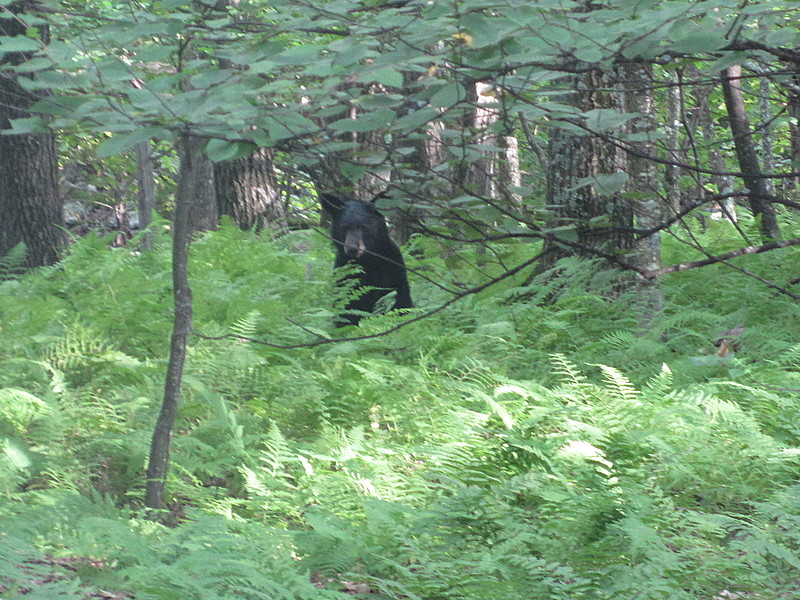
x=589 y=54
x=297 y=55
x=167 y=4
x=608 y=184
x=289 y=124
x=121 y=142
x=365 y=122
x=698 y=43
x=262 y=67
x=29 y=125
x=606 y=119
x=209 y=78
x=386 y=76
x=220 y=150
x=35 y=64
x=18 y=43
x=416 y=119
x=448 y=95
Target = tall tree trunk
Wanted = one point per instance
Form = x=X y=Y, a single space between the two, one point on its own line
x=643 y=188
x=705 y=121
x=146 y=190
x=760 y=200
x=601 y=220
x=672 y=173
x=766 y=146
x=247 y=190
x=419 y=173
x=793 y=108
x=509 y=171
x=497 y=169
x=478 y=175
x=765 y=106
x=204 y=215
x=190 y=181
x=31 y=211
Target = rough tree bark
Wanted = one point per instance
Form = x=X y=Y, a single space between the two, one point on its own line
x=420 y=169
x=31 y=211
x=643 y=189
x=204 y=215
x=760 y=199
x=190 y=180
x=599 y=219
x=146 y=191
x=247 y=190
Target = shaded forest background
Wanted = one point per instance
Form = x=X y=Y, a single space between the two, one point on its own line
x=595 y=395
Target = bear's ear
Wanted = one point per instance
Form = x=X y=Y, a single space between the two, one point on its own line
x=331 y=201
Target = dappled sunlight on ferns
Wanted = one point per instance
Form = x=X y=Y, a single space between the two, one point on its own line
x=503 y=448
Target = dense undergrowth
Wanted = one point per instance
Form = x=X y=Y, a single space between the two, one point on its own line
x=503 y=448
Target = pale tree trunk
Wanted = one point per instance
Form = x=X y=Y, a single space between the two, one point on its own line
x=377 y=178
x=643 y=189
x=760 y=199
x=146 y=191
x=705 y=122
x=672 y=173
x=765 y=106
x=509 y=172
x=190 y=183
x=766 y=146
x=247 y=190
x=31 y=212
x=478 y=176
x=497 y=171
x=573 y=158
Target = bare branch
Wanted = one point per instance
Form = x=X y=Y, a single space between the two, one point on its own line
x=652 y=274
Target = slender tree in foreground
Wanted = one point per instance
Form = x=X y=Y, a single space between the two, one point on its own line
x=190 y=180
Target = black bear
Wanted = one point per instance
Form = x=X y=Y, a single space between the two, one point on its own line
x=360 y=236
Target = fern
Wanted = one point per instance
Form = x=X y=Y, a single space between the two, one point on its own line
x=567 y=370
x=620 y=386
x=497 y=449
x=18 y=409
x=11 y=263
x=247 y=326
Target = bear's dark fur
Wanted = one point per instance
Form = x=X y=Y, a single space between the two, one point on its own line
x=360 y=236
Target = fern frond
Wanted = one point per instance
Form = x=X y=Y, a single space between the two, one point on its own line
x=19 y=408
x=567 y=370
x=661 y=383
x=12 y=262
x=247 y=326
x=619 y=340
x=620 y=386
